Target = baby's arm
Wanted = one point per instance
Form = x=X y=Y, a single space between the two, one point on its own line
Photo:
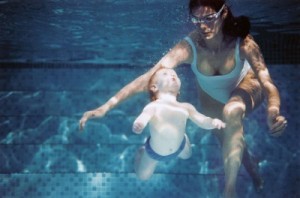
x=142 y=120
x=202 y=120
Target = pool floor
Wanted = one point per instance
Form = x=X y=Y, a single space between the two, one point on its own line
x=43 y=154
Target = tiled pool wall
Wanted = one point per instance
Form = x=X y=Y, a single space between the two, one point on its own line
x=43 y=154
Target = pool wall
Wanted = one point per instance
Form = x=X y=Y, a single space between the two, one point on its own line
x=43 y=154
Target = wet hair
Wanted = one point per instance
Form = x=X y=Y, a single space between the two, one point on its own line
x=233 y=26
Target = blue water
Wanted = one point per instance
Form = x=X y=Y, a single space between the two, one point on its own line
x=59 y=58
x=96 y=31
x=43 y=154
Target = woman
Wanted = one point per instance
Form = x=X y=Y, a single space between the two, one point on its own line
x=232 y=78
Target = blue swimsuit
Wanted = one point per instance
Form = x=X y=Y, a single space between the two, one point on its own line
x=158 y=157
x=220 y=87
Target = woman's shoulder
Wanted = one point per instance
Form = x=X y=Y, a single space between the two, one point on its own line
x=196 y=39
x=248 y=45
x=248 y=42
x=194 y=35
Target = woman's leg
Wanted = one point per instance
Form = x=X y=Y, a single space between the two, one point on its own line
x=144 y=165
x=249 y=161
x=212 y=108
x=231 y=138
x=244 y=99
x=252 y=90
x=233 y=143
x=251 y=165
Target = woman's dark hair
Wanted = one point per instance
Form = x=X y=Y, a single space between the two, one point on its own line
x=233 y=26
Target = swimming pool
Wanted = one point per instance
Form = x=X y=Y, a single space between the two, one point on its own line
x=47 y=85
x=44 y=154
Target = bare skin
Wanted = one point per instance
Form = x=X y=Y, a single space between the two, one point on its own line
x=167 y=122
x=215 y=52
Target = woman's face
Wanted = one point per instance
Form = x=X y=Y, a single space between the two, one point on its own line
x=208 y=21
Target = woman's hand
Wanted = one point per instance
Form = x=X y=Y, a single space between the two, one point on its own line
x=100 y=112
x=276 y=122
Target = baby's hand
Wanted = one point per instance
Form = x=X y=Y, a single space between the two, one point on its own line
x=218 y=124
x=138 y=127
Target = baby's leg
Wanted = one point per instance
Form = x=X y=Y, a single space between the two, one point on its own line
x=144 y=165
x=187 y=150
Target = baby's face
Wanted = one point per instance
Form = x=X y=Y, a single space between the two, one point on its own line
x=167 y=80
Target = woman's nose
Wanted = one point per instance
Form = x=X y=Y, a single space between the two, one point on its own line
x=202 y=26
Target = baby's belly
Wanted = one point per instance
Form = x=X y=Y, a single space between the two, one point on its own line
x=167 y=142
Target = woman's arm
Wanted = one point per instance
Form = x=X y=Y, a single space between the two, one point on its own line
x=179 y=54
x=251 y=51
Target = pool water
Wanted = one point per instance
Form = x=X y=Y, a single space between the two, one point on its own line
x=60 y=58
x=130 y=32
x=43 y=153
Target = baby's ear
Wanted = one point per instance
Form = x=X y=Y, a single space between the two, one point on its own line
x=153 y=88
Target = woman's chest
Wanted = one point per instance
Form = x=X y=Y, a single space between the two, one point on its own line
x=220 y=63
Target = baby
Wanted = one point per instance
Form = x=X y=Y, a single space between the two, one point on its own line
x=167 y=122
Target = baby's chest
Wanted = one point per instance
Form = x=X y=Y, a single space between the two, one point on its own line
x=171 y=113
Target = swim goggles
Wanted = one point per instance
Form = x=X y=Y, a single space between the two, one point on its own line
x=207 y=19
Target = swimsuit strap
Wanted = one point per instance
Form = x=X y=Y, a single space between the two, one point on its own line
x=189 y=40
x=237 y=51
